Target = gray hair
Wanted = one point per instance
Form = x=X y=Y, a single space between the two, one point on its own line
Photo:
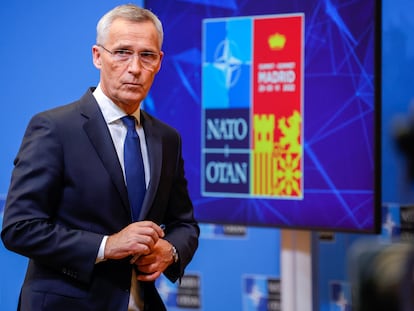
x=129 y=12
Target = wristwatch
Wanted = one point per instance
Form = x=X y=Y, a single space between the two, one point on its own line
x=174 y=253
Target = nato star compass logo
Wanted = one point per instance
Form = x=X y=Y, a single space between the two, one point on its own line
x=226 y=61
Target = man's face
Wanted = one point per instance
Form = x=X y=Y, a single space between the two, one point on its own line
x=127 y=83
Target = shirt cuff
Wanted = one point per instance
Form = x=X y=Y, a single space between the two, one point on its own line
x=101 y=252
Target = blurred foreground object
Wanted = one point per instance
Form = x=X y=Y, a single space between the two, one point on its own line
x=403 y=133
x=381 y=275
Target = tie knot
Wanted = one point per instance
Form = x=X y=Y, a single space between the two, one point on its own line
x=129 y=122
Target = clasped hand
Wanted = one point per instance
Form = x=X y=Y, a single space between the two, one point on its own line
x=142 y=240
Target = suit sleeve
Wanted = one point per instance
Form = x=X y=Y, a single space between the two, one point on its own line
x=30 y=227
x=182 y=229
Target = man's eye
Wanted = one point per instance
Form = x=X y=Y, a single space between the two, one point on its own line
x=123 y=53
x=150 y=56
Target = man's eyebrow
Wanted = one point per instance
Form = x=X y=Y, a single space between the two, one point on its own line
x=127 y=46
x=123 y=47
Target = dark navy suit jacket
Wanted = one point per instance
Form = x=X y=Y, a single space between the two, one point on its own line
x=67 y=191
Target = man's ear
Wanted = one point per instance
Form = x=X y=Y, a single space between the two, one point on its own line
x=96 y=54
x=159 y=65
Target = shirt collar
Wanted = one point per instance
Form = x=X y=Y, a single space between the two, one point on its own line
x=110 y=111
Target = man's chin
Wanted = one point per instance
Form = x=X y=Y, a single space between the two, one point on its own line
x=132 y=92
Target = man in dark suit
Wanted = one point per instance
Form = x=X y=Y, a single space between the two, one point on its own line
x=67 y=208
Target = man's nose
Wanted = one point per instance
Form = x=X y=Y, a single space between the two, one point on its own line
x=135 y=63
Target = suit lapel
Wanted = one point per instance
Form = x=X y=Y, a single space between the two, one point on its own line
x=154 y=148
x=98 y=133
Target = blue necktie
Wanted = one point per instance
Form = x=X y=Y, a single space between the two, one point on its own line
x=134 y=168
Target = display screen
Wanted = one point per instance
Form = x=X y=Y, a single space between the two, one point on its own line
x=278 y=105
